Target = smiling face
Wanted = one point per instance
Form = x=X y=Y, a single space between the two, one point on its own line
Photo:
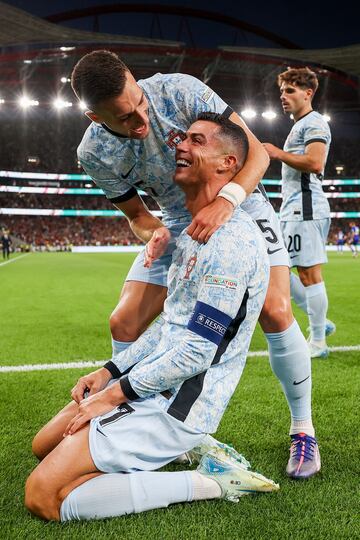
x=126 y=114
x=200 y=155
x=295 y=100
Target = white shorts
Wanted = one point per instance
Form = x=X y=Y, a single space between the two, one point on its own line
x=157 y=273
x=265 y=217
x=306 y=241
x=256 y=206
x=139 y=436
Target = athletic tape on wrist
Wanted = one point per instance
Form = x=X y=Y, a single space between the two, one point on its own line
x=233 y=193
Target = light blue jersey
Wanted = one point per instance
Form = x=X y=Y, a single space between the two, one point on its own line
x=302 y=193
x=120 y=166
x=198 y=347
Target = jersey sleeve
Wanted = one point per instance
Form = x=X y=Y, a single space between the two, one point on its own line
x=196 y=97
x=219 y=308
x=114 y=188
x=140 y=349
x=317 y=130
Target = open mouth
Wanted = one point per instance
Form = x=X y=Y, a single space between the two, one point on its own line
x=183 y=163
x=140 y=129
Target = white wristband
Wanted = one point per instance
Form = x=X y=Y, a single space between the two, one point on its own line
x=233 y=193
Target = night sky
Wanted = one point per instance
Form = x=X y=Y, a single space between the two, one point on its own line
x=308 y=24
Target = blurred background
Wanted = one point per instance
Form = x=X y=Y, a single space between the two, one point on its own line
x=46 y=200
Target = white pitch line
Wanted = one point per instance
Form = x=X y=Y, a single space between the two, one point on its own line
x=97 y=363
x=14 y=260
x=47 y=367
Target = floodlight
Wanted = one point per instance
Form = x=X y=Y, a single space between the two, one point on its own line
x=61 y=104
x=248 y=113
x=25 y=102
x=269 y=115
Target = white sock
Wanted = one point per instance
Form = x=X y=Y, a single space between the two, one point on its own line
x=290 y=361
x=117 y=494
x=119 y=346
x=317 y=305
x=302 y=426
x=298 y=293
x=204 y=487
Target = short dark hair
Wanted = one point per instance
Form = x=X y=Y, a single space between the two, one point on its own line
x=301 y=77
x=98 y=76
x=230 y=131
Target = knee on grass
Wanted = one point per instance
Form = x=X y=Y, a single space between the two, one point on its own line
x=39 y=500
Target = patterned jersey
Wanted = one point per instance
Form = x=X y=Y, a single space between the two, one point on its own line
x=119 y=165
x=302 y=193
x=196 y=351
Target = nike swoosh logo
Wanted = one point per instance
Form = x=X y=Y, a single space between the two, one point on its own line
x=124 y=176
x=299 y=382
x=271 y=251
x=293 y=256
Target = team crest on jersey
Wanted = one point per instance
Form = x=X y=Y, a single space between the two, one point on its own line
x=174 y=138
x=190 y=266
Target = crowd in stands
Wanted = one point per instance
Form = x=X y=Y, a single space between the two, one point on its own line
x=61 y=233
x=75 y=202
x=51 y=232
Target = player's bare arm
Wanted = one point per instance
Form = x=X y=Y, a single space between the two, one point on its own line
x=313 y=160
x=147 y=227
x=210 y=218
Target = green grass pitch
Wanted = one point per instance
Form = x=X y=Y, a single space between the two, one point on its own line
x=55 y=308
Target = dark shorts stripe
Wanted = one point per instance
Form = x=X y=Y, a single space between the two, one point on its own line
x=306 y=197
x=192 y=388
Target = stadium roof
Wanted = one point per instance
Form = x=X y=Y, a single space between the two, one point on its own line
x=345 y=59
x=32 y=58
x=20 y=28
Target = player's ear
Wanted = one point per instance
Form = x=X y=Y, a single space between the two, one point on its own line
x=227 y=163
x=309 y=93
x=93 y=116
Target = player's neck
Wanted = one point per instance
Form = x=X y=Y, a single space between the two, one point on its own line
x=197 y=197
x=302 y=112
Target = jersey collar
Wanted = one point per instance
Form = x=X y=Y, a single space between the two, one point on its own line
x=113 y=132
x=303 y=116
